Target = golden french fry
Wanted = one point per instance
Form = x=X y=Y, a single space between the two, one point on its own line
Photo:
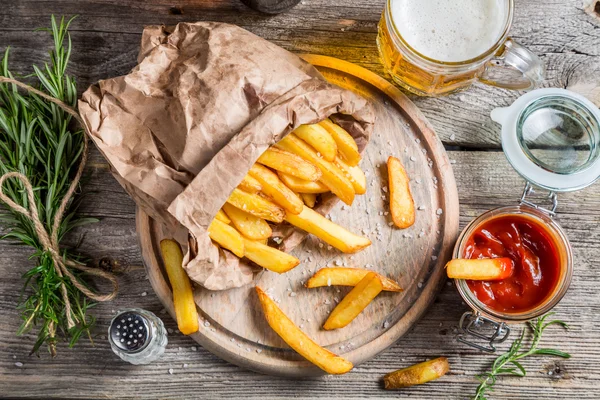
x=222 y=217
x=354 y=302
x=273 y=187
x=484 y=269
x=302 y=186
x=318 y=137
x=309 y=199
x=402 y=206
x=248 y=225
x=332 y=177
x=347 y=277
x=298 y=340
x=354 y=174
x=256 y=205
x=269 y=257
x=250 y=185
x=331 y=233
x=346 y=145
x=290 y=163
x=417 y=374
x=227 y=237
x=183 y=294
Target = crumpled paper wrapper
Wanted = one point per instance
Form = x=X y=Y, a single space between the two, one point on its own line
x=183 y=128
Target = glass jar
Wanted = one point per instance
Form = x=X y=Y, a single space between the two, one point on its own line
x=551 y=137
x=505 y=63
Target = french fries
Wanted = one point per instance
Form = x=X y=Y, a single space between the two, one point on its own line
x=298 y=340
x=248 y=225
x=347 y=277
x=417 y=374
x=273 y=187
x=318 y=137
x=402 y=206
x=183 y=294
x=309 y=199
x=256 y=205
x=289 y=163
x=331 y=233
x=301 y=186
x=227 y=237
x=346 y=145
x=354 y=302
x=222 y=217
x=269 y=257
x=250 y=185
x=332 y=176
x=485 y=269
x=354 y=174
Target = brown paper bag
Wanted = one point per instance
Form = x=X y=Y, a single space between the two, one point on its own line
x=184 y=127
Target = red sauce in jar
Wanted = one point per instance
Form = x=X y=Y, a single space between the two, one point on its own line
x=536 y=261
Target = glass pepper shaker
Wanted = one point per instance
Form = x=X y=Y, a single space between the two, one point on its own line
x=137 y=336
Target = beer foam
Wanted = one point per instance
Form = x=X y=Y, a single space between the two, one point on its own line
x=450 y=30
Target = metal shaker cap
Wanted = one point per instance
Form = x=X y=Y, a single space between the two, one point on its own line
x=130 y=332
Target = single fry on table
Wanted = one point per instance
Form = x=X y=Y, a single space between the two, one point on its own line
x=289 y=163
x=354 y=302
x=248 y=225
x=183 y=294
x=402 y=206
x=346 y=144
x=275 y=189
x=417 y=374
x=341 y=276
x=298 y=340
x=313 y=222
x=256 y=205
x=483 y=269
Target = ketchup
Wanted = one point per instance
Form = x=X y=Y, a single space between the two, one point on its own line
x=536 y=261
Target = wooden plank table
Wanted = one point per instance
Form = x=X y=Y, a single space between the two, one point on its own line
x=106 y=38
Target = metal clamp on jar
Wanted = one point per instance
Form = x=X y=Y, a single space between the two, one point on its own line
x=551 y=137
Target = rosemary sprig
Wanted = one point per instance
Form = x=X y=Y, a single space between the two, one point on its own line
x=508 y=363
x=37 y=141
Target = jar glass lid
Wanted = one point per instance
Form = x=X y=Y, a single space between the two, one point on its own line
x=552 y=138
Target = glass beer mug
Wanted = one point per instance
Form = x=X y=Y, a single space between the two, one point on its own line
x=437 y=47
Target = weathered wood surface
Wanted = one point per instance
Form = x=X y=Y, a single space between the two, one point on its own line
x=105 y=39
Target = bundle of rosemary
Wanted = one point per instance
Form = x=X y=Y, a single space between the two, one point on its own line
x=41 y=161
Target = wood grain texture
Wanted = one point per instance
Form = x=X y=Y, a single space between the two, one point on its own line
x=414 y=257
x=106 y=40
x=484 y=180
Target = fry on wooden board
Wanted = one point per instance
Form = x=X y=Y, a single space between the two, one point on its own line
x=341 y=276
x=402 y=206
x=298 y=340
x=354 y=302
x=183 y=294
x=269 y=257
x=340 y=238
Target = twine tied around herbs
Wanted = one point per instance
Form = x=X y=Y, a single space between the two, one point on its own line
x=50 y=241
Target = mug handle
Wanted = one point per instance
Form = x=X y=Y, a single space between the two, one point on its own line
x=514 y=67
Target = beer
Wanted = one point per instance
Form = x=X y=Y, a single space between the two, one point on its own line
x=436 y=47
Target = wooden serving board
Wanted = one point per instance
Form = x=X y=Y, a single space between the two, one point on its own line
x=232 y=325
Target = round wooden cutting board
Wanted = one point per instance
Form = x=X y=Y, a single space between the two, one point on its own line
x=232 y=325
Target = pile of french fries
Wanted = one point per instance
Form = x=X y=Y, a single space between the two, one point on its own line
x=284 y=185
